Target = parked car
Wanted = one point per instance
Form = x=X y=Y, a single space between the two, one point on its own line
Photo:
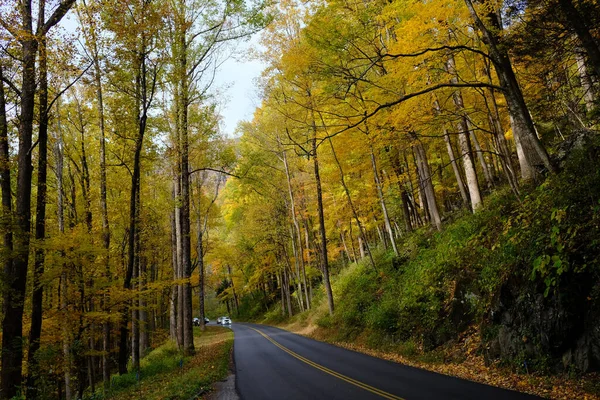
x=226 y=321
x=197 y=321
x=219 y=320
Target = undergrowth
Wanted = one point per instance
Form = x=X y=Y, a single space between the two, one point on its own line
x=166 y=374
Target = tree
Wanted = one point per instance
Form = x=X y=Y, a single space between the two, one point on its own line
x=12 y=326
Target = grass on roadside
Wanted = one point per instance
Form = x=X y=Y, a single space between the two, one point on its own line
x=166 y=375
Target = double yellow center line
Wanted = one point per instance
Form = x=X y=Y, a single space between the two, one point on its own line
x=345 y=378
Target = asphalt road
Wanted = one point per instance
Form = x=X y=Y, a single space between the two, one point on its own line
x=275 y=364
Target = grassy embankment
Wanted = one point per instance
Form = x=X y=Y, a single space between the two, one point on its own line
x=166 y=374
x=433 y=306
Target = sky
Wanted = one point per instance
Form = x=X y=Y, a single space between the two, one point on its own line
x=234 y=81
x=237 y=80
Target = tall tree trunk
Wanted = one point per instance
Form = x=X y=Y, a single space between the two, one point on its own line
x=179 y=253
x=7 y=216
x=580 y=25
x=188 y=334
x=489 y=179
x=92 y=42
x=501 y=144
x=299 y=251
x=106 y=326
x=286 y=289
x=295 y=234
x=143 y=100
x=386 y=218
x=469 y=165
x=235 y=299
x=425 y=181
x=16 y=276
x=5 y=185
x=323 y=249
x=534 y=152
x=174 y=287
x=64 y=304
x=411 y=194
x=200 y=252
x=84 y=173
x=202 y=228
x=144 y=323
x=40 y=220
x=282 y=292
x=405 y=210
x=420 y=190
x=587 y=84
x=135 y=309
x=455 y=168
x=397 y=166
x=296 y=270
x=464 y=141
x=351 y=258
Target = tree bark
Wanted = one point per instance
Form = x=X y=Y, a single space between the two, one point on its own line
x=502 y=149
x=489 y=179
x=589 y=94
x=461 y=185
x=106 y=326
x=13 y=300
x=174 y=288
x=386 y=218
x=200 y=252
x=534 y=152
x=297 y=245
x=143 y=102
x=323 y=249
x=181 y=48
x=235 y=299
x=135 y=309
x=7 y=216
x=63 y=285
x=5 y=179
x=425 y=182
x=179 y=253
x=578 y=23
x=40 y=220
x=464 y=141
x=282 y=292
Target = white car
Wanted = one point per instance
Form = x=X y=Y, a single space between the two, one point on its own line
x=225 y=321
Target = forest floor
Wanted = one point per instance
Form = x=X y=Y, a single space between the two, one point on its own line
x=165 y=374
x=463 y=359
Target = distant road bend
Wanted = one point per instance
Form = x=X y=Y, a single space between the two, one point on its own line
x=275 y=364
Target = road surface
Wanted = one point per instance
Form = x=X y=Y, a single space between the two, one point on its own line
x=271 y=363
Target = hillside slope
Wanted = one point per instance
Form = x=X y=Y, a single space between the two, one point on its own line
x=521 y=277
